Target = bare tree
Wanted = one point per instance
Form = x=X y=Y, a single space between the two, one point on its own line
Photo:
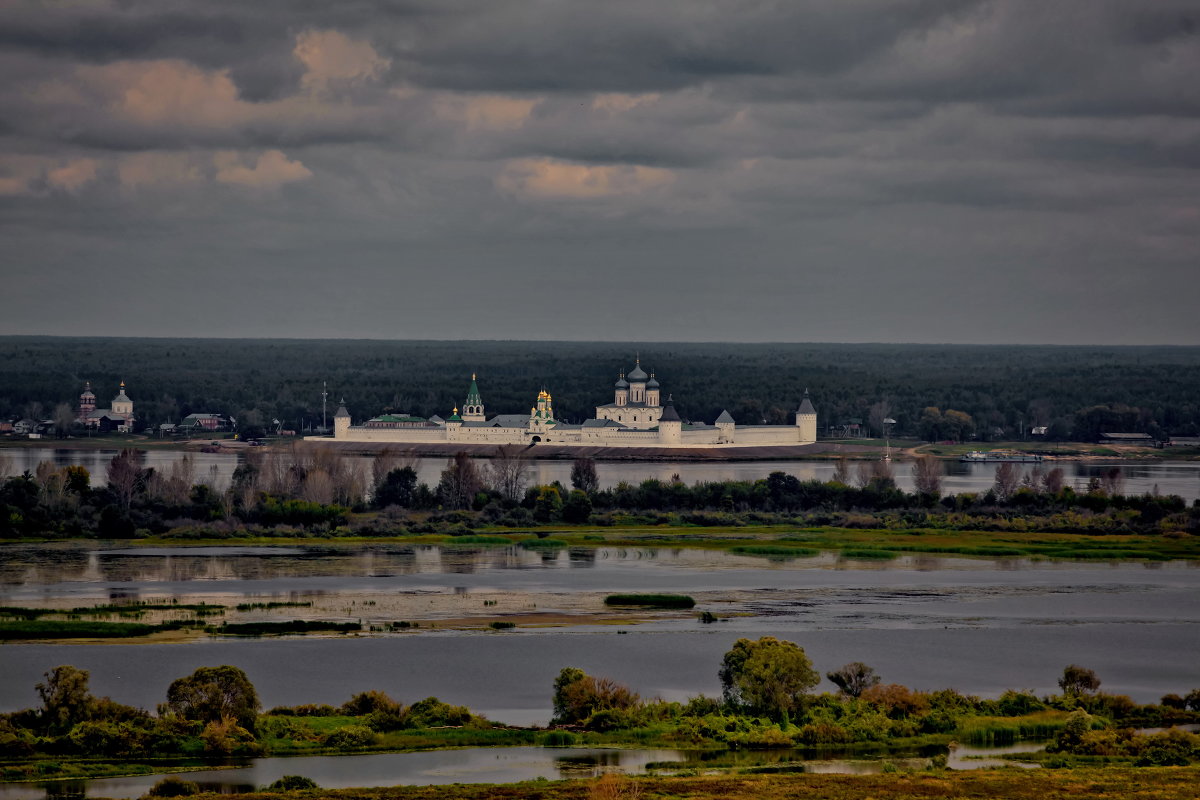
x=34 y=410
x=349 y=484
x=384 y=462
x=841 y=471
x=878 y=413
x=875 y=472
x=51 y=483
x=1113 y=481
x=460 y=482
x=862 y=475
x=174 y=484
x=317 y=487
x=927 y=475
x=1008 y=477
x=124 y=473
x=277 y=477
x=1053 y=481
x=64 y=420
x=1034 y=480
x=508 y=472
x=854 y=678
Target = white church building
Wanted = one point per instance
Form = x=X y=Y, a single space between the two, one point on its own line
x=637 y=417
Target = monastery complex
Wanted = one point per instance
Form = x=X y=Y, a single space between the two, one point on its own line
x=637 y=417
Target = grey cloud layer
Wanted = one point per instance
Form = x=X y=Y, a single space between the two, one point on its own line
x=772 y=159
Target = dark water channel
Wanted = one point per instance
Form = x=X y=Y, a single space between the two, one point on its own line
x=485 y=765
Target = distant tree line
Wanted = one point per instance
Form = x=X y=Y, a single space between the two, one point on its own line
x=932 y=391
x=319 y=491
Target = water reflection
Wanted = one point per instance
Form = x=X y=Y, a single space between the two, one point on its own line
x=1167 y=477
x=491 y=765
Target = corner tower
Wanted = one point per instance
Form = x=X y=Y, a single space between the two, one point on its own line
x=806 y=420
x=670 y=426
x=341 y=421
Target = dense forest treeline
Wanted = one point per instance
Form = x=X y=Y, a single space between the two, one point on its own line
x=1076 y=391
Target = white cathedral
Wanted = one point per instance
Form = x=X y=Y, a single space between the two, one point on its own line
x=637 y=417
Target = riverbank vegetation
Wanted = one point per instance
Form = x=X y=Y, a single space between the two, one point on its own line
x=318 y=492
x=1096 y=784
x=766 y=703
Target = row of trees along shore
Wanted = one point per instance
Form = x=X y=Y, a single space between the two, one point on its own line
x=934 y=391
x=767 y=702
x=318 y=490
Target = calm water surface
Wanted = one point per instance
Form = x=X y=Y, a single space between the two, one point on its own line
x=976 y=625
x=1169 y=477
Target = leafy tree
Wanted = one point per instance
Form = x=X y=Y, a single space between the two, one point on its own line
x=397 y=488
x=173 y=787
x=578 y=507
x=368 y=702
x=1077 y=681
x=578 y=696
x=292 y=783
x=767 y=676
x=549 y=504
x=1070 y=737
x=931 y=425
x=853 y=678
x=583 y=475
x=66 y=699
x=213 y=694
x=958 y=424
x=78 y=480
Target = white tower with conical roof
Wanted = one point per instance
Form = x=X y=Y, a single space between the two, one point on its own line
x=341 y=421
x=806 y=420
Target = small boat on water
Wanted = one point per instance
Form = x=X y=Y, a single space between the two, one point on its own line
x=994 y=456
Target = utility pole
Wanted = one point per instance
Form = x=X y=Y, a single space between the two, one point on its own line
x=324 y=396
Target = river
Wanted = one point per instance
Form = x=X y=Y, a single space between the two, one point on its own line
x=977 y=625
x=1167 y=477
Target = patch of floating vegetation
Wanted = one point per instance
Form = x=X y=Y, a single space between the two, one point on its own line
x=274 y=604
x=651 y=600
x=70 y=629
x=291 y=626
x=479 y=539
x=774 y=551
x=543 y=544
x=134 y=610
x=868 y=554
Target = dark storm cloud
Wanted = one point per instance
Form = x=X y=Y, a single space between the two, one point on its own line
x=753 y=163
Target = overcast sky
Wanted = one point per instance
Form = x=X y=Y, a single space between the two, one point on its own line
x=898 y=171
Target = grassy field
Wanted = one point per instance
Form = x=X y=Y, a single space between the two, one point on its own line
x=1161 y=783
